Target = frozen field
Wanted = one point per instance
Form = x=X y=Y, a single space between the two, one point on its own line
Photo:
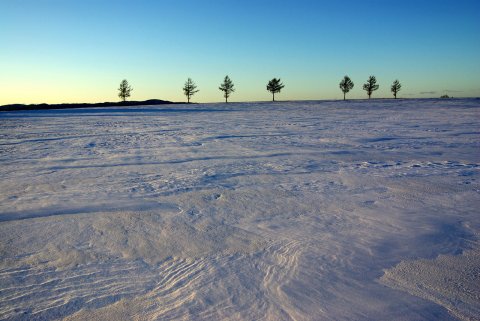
x=361 y=210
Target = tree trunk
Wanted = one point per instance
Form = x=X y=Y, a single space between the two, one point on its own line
x=273 y=96
x=343 y=96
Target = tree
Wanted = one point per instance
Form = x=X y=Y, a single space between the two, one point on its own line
x=124 y=90
x=275 y=86
x=346 y=85
x=370 y=86
x=396 y=86
x=227 y=88
x=190 y=89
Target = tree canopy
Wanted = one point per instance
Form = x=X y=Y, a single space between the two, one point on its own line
x=396 y=86
x=275 y=86
x=124 y=90
x=370 y=86
x=227 y=87
x=189 y=89
x=346 y=85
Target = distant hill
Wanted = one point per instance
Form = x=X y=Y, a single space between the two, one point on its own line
x=14 y=107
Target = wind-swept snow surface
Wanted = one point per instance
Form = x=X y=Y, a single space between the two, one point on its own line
x=364 y=210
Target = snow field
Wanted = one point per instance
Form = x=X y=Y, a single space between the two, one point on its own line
x=247 y=211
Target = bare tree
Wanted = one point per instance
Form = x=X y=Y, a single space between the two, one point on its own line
x=396 y=86
x=346 y=85
x=227 y=88
x=275 y=86
x=124 y=90
x=189 y=89
x=370 y=86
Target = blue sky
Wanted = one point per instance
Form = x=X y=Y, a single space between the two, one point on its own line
x=78 y=51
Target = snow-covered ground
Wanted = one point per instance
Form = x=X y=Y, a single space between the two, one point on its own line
x=357 y=210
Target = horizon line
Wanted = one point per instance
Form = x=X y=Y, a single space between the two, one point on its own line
x=168 y=102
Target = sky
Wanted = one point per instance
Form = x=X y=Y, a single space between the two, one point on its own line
x=66 y=51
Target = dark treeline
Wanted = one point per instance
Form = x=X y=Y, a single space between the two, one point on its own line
x=84 y=105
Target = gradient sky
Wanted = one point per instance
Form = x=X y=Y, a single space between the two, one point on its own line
x=58 y=51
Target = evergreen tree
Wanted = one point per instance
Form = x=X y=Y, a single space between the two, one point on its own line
x=370 y=86
x=275 y=86
x=227 y=88
x=189 y=89
x=346 y=85
x=124 y=90
x=396 y=86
